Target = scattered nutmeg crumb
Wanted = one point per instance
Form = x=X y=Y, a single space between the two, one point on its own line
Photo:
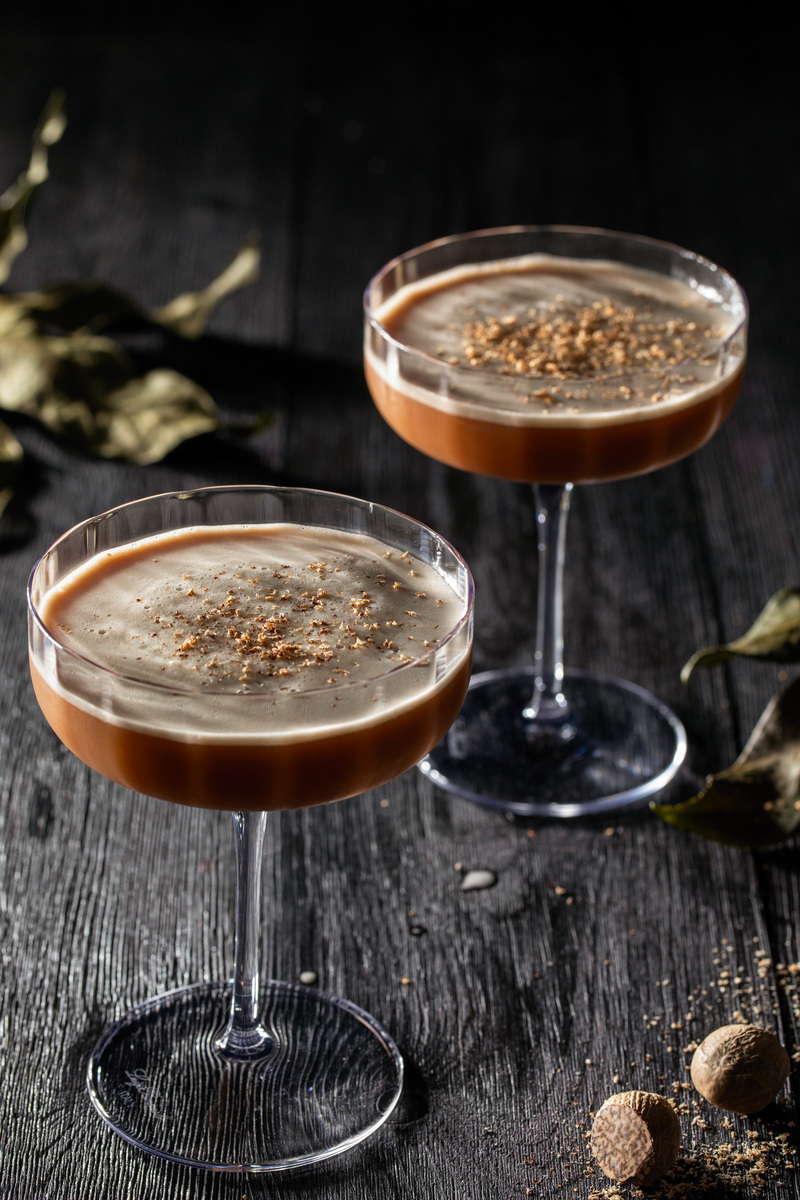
x=636 y=1137
x=740 y=1068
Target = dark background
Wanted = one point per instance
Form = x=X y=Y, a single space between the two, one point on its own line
x=346 y=142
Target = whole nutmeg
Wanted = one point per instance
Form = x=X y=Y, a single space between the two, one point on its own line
x=636 y=1137
x=740 y=1068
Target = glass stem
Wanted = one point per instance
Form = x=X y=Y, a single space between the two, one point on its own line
x=245 y=1036
x=548 y=703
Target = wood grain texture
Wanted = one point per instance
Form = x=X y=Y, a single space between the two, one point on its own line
x=605 y=947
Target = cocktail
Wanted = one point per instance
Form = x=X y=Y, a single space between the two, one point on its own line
x=249 y=649
x=555 y=356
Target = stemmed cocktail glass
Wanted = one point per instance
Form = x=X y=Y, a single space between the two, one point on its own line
x=623 y=355
x=248 y=716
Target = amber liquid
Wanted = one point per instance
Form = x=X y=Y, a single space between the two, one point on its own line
x=572 y=418
x=247 y=776
x=554 y=452
x=289 y=739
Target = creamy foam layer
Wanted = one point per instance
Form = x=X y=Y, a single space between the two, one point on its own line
x=543 y=340
x=265 y=632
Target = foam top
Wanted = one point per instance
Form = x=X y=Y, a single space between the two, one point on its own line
x=253 y=611
x=570 y=340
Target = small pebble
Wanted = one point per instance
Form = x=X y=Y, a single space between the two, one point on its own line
x=308 y=977
x=478 y=879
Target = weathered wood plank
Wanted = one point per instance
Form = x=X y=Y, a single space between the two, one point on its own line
x=605 y=947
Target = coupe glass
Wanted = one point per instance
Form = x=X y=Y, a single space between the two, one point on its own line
x=539 y=739
x=248 y=1075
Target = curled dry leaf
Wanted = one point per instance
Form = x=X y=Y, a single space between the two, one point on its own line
x=10 y=461
x=774 y=636
x=84 y=389
x=86 y=305
x=89 y=306
x=57 y=367
x=187 y=315
x=84 y=386
x=152 y=414
x=14 y=201
x=756 y=802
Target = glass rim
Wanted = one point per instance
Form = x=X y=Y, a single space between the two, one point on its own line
x=217 y=693
x=577 y=230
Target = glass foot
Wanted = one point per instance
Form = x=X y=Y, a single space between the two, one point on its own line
x=329 y=1079
x=618 y=745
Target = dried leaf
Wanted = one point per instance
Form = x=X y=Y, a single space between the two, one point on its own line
x=88 y=305
x=756 y=802
x=82 y=387
x=92 y=306
x=40 y=375
x=10 y=463
x=151 y=415
x=188 y=314
x=773 y=637
x=14 y=201
x=56 y=366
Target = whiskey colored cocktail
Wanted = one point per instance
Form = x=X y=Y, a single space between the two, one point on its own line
x=258 y=667
x=249 y=649
x=557 y=370
x=554 y=356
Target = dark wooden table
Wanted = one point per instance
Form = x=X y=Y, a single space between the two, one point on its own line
x=605 y=948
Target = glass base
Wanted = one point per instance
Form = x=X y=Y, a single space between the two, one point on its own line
x=329 y=1079
x=616 y=746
